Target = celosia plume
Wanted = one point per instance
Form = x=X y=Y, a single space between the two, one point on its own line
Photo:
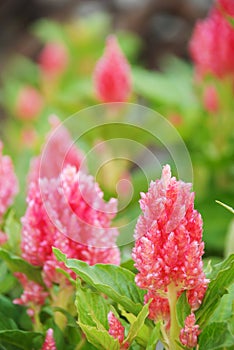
x=227 y=6
x=53 y=59
x=112 y=75
x=49 y=343
x=212 y=43
x=116 y=330
x=169 y=246
x=29 y=103
x=8 y=182
x=190 y=332
x=69 y=213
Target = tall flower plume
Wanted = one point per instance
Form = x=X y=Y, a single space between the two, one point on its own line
x=116 y=330
x=214 y=37
x=49 y=343
x=169 y=247
x=112 y=75
x=66 y=210
x=8 y=182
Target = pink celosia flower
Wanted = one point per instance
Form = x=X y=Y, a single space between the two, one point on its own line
x=8 y=182
x=49 y=343
x=227 y=6
x=190 y=332
x=53 y=59
x=211 y=99
x=112 y=75
x=29 y=103
x=116 y=330
x=169 y=245
x=213 y=37
x=33 y=292
x=58 y=152
x=69 y=213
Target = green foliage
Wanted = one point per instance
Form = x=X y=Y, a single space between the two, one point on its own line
x=114 y=281
x=183 y=309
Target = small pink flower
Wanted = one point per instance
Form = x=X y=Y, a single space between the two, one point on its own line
x=29 y=103
x=49 y=343
x=190 y=332
x=8 y=182
x=116 y=330
x=112 y=75
x=211 y=99
x=33 y=292
x=53 y=59
x=169 y=245
x=212 y=45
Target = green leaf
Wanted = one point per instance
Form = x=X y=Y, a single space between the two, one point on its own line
x=229 y=244
x=47 y=30
x=100 y=338
x=215 y=336
x=154 y=337
x=21 y=339
x=92 y=308
x=223 y=277
x=137 y=325
x=224 y=310
x=13 y=230
x=17 y=264
x=114 y=281
x=182 y=309
x=6 y=322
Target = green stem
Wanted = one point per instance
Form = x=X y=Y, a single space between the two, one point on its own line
x=174 y=327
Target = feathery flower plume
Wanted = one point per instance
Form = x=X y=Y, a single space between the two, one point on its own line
x=8 y=182
x=112 y=75
x=116 y=330
x=169 y=247
x=190 y=332
x=49 y=343
x=214 y=37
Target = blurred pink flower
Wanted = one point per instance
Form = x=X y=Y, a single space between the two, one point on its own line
x=169 y=245
x=33 y=294
x=49 y=343
x=190 y=332
x=212 y=45
x=69 y=213
x=211 y=99
x=3 y=238
x=59 y=150
x=8 y=182
x=112 y=75
x=227 y=6
x=53 y=59
x=116 y=330
x=29 y=103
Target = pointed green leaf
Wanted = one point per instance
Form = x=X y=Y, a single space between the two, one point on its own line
x=215 y=336
x=137 y=325
x=91 y=307
x=182 y=309
x=114 y=281
x=223 y=277
x=100 y=338
x=17 y=264
x=154 y=337
x=226 y=206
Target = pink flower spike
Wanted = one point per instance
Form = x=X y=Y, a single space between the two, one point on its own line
x=169 y=245
x=116 y=330
x=112 y=75
x=49 y=343
x=8 y=182
x=29 y=104
x=227 y=6
x=190 y=332
x=53 y=59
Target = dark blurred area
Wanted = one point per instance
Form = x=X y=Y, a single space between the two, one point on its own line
x=165 y=26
